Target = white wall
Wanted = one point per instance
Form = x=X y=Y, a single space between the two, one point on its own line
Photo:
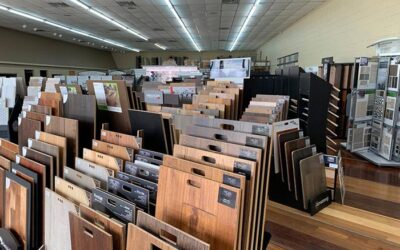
x=339 y=28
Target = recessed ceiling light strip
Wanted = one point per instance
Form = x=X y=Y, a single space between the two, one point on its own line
x=171 y=7
x=83 y=33
x=160 y=46
x=245 y=24
x=108 y=19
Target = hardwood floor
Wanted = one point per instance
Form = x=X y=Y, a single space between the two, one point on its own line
x=369 y=219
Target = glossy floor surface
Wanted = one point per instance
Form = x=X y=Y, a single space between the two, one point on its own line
x=369 y=219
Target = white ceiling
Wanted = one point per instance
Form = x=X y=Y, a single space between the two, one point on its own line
x=213 y=25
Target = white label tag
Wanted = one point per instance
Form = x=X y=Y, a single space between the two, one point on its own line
x=39 y=94
x=24 y=151
x=24 y=114
x=19 y=121
x=37 y=135
x=30 y=143
x=17 y=159
x=8 y=183
x=48 y=119
x=29 y=107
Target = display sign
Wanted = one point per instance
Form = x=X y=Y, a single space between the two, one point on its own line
x=230 y=68
x=107 y=96
x=167 y=73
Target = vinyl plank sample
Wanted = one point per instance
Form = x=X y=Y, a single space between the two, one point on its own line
x=83 y=109
x=59 y=141
x=313 y=178
x=34 y=116
x=120 y=139
x=200 y=204
x=57 y=209
x=150 y=186
x=46 y=110
x=52 y=100
x=5 y=163
x=152 y=124
x=18 y=209
x=9 y=145
x=284 y=136
x=161 y=229
x=44 y=159
x=105 y=160
x=297 y=156
x=114 y=227
x=48 y=149
x=71 y=191
x=94 y=170
x=87 y=236
x=80 y=179
x=290 y=146
x=139 y=239
x=26 y=130
x=67 y=128
x=143 y=170
x=114 y=150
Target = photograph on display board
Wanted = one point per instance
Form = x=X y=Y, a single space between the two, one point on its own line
x=107 y=96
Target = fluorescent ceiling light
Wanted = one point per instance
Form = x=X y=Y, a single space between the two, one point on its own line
x=160 y=46
x=108 y=19
x=60 y=26
x=171 y=7
x=244 y=24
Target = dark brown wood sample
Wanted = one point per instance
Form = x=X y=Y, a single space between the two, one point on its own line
x=26 y=130
x=291 y=146
x=200 y=204
x=313 y=178
x=48 y=149
x=67 y=128
x=46 y=110
x=44 y=159
x=35 y=116
x=297 y=156
x=114 y=227
x=18 y=209
x=178 y=238
x=118 y=121
x=87 y=236
x=153 y=128
x=284 y=136
x=83 y=109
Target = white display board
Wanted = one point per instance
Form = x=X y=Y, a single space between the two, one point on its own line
x=232 y=69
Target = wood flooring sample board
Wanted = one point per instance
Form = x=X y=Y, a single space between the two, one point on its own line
x=105 y=160
x=48 y=149
x=17 y=209
x=57 y=209
x=120 y=139
x=71 y=191
x=112 y=226
x=180 y=239
x=87 y=236
x=139 y=239
x=67 y=128
x=59 y=141
x=26 y=130
x=203 y=208
x=113 y=149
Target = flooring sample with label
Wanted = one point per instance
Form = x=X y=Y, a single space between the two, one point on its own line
x=48 y=149
x=26 y=130
x=313 y=178
x=114 y=150
x=57 y=210
x=139 y=239
x=200 y=204
x=83 y=109
x=81 y=180
x=59 y=141
x=114 y=227
x=297 y=156
x=105 y=160
x=71 y=191
x=150 y=186
x=120 y=139
x=35 y=116
x=94 y=170
x=87 y=236
x=46 y=110
x=291 y=146
x=52 y=100
x=67 y=128
x=143 y=170
x=44 y=159
x=113 y=206
x=18 y=209
x=167 y=232
x=152 y=125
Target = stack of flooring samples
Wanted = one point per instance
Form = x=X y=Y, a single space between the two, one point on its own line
x=221 y=166
x=267 y=109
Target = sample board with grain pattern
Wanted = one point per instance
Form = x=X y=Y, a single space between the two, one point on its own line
x=57 y=209
x=17 y=211
x=67 y=128
x=200 y=204
x=59 y=141
x=48 y=149
x=87 y=236
x=139 y=239
x=120 y=139
x=26 y=130
x=44 y=159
